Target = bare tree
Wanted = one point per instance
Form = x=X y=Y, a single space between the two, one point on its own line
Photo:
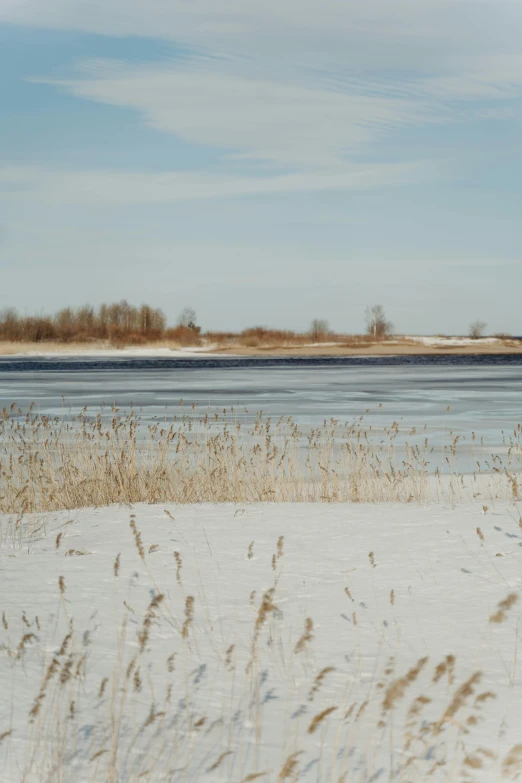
x=86 y=320
x=377 y=324
x=477 y=329
x=10 y=324
x=319 y=328
x=116 y=320
x=188 y=318
x=151 y=319
x=65 y=323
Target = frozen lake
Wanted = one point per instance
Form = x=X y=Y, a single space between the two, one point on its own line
x=484 y=393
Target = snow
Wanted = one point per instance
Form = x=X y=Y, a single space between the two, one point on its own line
x=385 y=586
x=128 y=353
x=453 y=341
x=319 y=345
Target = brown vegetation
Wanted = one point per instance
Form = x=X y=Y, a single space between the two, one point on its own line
x=120 y=323
x=49 y=463
x=364 y=345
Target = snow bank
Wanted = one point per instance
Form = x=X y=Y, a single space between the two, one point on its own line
x=119 y=352
x=294 y=641
x=453 y=341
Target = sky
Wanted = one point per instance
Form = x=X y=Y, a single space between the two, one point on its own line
x=264 y=162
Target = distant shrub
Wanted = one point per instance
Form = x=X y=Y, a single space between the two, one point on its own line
x=221 y=337
x=184 y=335
x=319 y=329
x=477 y=329
x=260 y=335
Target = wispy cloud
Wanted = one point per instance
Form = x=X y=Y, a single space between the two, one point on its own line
x=103 y=186
x=306 y=87
x=344 y=101
x=364 y=30
x=288 y=123
x=311 y=128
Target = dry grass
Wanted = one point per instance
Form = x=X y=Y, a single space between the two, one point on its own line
x=257 y=339
x=9 y=348
x=503 y=607
x=398 y=688
x=49 y=463
x=351 y=346
x=263 y=338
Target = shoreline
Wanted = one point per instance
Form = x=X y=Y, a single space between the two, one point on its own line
x=383 y=349
x=409 y=347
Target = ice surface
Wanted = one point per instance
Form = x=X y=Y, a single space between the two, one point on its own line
x=481 y=399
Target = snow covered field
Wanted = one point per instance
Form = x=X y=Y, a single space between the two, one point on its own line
x=269 y=642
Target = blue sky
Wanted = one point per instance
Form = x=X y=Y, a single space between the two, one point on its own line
x=264 y=162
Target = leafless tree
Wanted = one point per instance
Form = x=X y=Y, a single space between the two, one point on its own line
x=319 y=328
x=188 y=318
x=65 y=323
x=477 y=329
x=115 y=321
x=10 y=326
x=377 y=324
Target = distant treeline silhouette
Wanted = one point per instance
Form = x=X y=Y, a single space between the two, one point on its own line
x=118 y=322
x=121 y=323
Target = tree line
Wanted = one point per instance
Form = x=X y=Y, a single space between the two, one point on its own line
x=119 y=320
x=123 y=323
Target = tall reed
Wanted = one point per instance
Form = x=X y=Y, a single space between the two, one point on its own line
x=52 y=462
